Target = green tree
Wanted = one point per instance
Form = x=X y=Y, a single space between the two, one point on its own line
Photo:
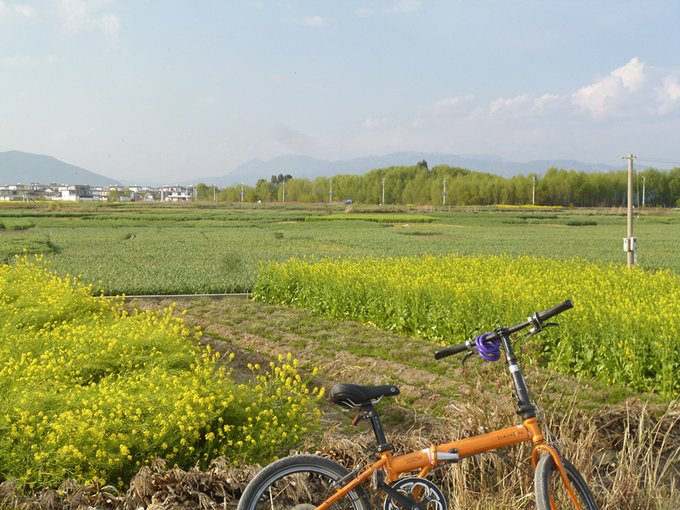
x=114 y=195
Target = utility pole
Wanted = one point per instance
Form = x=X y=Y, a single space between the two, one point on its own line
x=644 y=181
x=630 y=243
x=444 y=193
x=241 y=193
x=284 y=190
x=330 y=193
x=382 y=202
x=533 y=190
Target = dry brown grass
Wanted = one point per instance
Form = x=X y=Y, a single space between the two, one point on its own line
x=629 y=454
x=628 y=449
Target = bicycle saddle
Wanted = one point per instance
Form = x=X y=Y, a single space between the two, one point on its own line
x=355 y=395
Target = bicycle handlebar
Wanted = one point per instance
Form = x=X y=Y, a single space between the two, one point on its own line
x=450 y=351
x=536 y=320
x=555 y=310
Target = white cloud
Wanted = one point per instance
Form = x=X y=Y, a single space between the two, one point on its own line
x=546 y=103
x=614 y=92
x=669 y=94
x=313 y=21
x=80 y=15
x=630 y=91
x=632 y=74
x=512 y=104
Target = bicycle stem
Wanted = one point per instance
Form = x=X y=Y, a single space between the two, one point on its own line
x=524 y=406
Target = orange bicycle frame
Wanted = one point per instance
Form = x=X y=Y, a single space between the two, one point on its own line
x=428 y=458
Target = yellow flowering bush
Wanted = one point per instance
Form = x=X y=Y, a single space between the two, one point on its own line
x=625 y=328
x=91 y=392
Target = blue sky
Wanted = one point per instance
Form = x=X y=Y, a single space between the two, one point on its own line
x=170 y=90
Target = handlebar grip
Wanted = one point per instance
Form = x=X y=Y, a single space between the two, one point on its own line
x=551 y=312
x=450 y=351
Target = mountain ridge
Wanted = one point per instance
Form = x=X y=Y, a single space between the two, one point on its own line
x=18 y=167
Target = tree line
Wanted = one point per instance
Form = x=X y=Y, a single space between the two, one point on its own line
x=446 y=185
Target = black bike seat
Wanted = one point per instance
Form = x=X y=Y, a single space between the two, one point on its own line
x=355 y=395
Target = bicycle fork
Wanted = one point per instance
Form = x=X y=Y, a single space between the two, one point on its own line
x=527 y=410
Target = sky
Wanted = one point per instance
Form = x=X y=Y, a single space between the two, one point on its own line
x=172 y=90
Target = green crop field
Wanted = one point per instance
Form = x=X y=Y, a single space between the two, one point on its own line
x=152 y=248
x=426 y=277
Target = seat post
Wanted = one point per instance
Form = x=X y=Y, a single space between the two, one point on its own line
x=372 y=414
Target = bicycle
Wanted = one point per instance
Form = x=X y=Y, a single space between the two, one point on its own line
x=311 y=482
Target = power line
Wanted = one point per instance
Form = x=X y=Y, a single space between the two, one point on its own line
x=657 y=160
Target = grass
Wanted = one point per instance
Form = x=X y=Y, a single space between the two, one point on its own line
x=626 y=444
x=206 y=248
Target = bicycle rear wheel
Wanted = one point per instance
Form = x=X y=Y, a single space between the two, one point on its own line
x=551 y=494
x=301 y=482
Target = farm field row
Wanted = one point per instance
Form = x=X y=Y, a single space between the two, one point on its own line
x=202 y=249
x=619 y=337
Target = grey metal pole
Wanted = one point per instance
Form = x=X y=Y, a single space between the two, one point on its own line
x=444 y=193
x=383 y=192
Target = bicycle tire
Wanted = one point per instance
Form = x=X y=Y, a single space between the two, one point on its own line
x=550 y=491
x=300 y=482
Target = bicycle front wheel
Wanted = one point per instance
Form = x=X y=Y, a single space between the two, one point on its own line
x=300 y=482
x=551 y=494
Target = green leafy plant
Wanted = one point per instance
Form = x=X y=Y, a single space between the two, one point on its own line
x=93 y=392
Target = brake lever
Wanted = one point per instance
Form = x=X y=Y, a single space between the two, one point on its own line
x=538 y=329
x=462 y=363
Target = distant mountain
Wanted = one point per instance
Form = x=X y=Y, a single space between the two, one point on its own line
x=24 y=168
x=308 y=167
